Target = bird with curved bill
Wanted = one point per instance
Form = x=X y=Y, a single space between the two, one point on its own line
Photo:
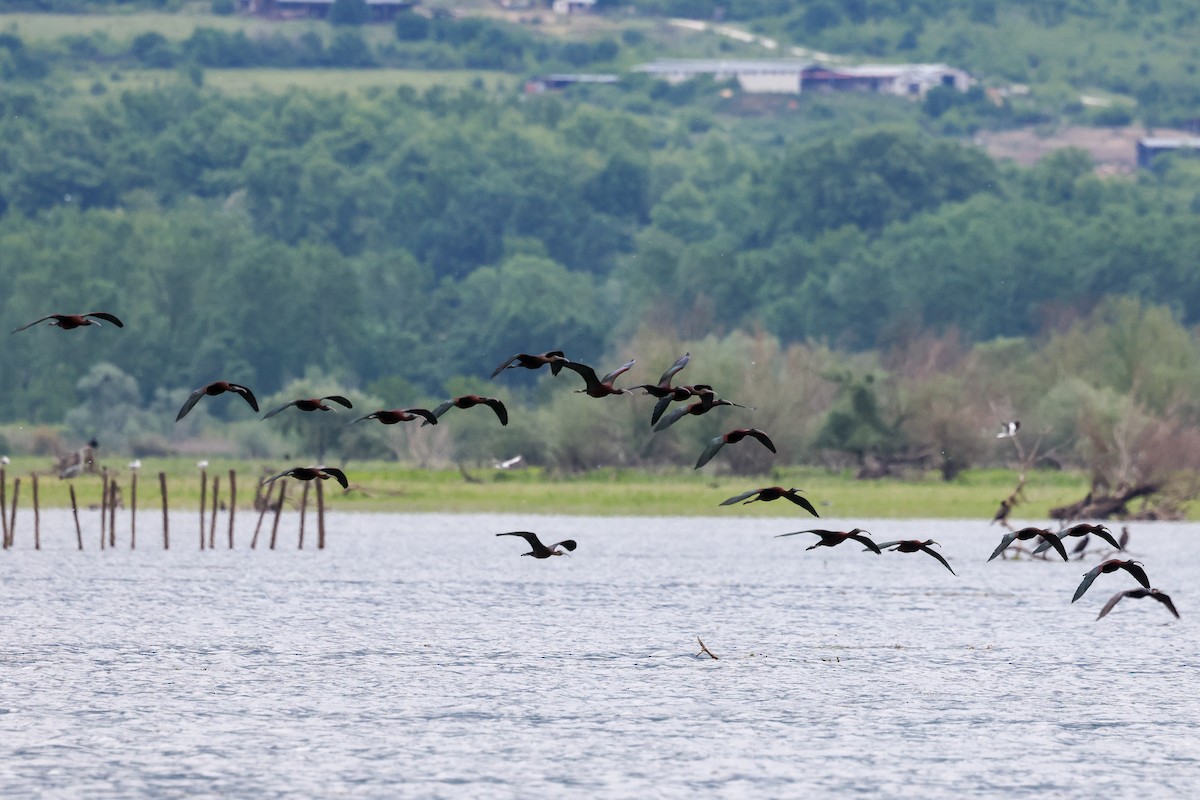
x=1161 y=597
x=311 y=474
x=540 y=550
x=69 y=321
x=770 y=493
x=312 y=404
x=470 y=401
x=664 y=388
x=1024 y=535
x=706 y=403
x=916 y=546
x=394 y=415
x=1134 y=568
x=1083 y=529
x=213 y=389
x=554 y=358
x=599 y=387
x=733 y=437
x=834 y=538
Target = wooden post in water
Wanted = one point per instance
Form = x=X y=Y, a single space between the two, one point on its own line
x=320 y=516
x=274 y=525
x=303 y=511
x=37 y=514
x=203 y=495
x=212 y=522
x=162 y=485
x=262 y=512
x=133 y=509
x=232 y=502
x=3 y=510
x=103 y=509
x=75 y=512
x=12 y=521
x=113 y=496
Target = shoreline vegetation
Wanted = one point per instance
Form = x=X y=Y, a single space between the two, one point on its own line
x=379 y=486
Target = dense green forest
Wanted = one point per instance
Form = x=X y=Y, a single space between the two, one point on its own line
x=873 y=288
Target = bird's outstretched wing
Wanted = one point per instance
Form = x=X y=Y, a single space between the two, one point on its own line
x=659 y=408
x=584 y=371
x=739 y=498
x=1139 y=574
x=762 y=437
x=275 y=411
x=246 y=395
x=424 y=414
x=273 y=478
x=926 y=548
x=1112 y=601
x=1088 y=578
x=1057 y=544
x=498 y=407
x=190 y=403
x=337 y=475
x=528 y=536
x=714 y=447
x=566 y=544
x=441 y=409
x=672 y=418
x=817 y=531
x=341 y=401
x=679 y=364
x=1005 y=541
x=505 y=365
x=35 y=322
x=802 y=501
x=616 y=373
x=863 y=540
x=1106 y=535
x=104 y=315
x=1165 y=600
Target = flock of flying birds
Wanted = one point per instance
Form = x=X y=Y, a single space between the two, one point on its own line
x=704 y=399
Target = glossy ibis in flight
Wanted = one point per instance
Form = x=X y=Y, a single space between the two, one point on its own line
x=215 y=388
x=540 y=550
x=664 y=388
x=69 y=321
x=312 y=404
x=1026 y=534
x=1134 y=568
x=394 y=415
x=769 y=493
x=833 y=538
x=312 y=473
x=554 y=358
x=706 y=403
x=733 y=437
x=1082 y=529
x=1161 y=597
x=470 y=401
x=916 y=546
x=599 y=387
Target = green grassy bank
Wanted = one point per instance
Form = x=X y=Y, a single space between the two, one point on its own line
x=387 y=486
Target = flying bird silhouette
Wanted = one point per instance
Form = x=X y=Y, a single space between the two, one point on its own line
x=769 y=493
x=599 y=387
x=916 y=546
x=540 y=550
x=1026 y=534
x=470 y=401
x=311 y=473
x=706 y=403
x=834 y=538
x=394 y=415
x=312 y=404
x=554 y=358
x=1082 y=529
x=1161 y=597
x=212 y=389
x=1009 y=429
x=1134 y=568
x=69 y=321
x=733 y=437
x=663 y=388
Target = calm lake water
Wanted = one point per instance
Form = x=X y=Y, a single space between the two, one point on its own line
x=420 y=656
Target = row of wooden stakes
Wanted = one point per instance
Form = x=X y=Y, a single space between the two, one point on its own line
x=110 y=499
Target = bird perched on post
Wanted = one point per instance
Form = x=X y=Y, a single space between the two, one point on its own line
x=834 y=538
x=540 y=550
x=215 y=388
x=69 y=321
x=1025 y=534
x=733 y=437
x=392 y=416
x=312 y=404
x=311 y=473
x=554 y=358
x=599 y=387
x=470 y=401
x=769 y=493
x=1134 y=568
x=916 y=546
x=1161 y=597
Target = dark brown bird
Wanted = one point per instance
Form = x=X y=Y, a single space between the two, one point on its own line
x=916 y=546
x=663 y=388
x=1082 y=529
x=706 y=403
x=677 y=394
x=599 y=387
x=312 y=404
x=540 y=550
x=554 y=358
x=69 y=321
x=769 y=493
x=470 y=401
x=833 y=538
x=311 y=473
x=1134 y=568
x=1161 y=597
x=392 y=416
x=1026 y=534
x=733 y=437
x=1002 y=513
x=212 y=389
